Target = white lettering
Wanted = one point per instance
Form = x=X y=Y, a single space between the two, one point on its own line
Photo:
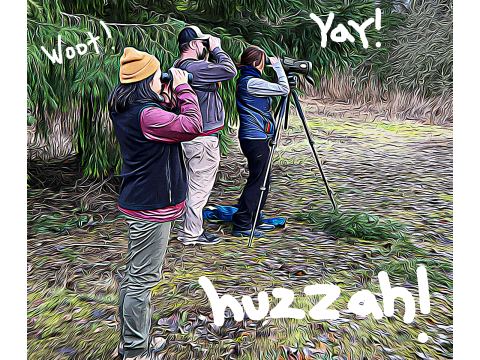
x=81 y=52
x=94 y=41
x=323 y=27
x=344 y=34
x=282 y=310
x=70 y=52
x=390 y=294
x=319 y=311
x=369 y=306
x=219 y=304
x=54 y=58
x=361 y=30
x=263 y=306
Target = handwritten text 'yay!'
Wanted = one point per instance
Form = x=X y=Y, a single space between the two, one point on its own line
x=341 y=33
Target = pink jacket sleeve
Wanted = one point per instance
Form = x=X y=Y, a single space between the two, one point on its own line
x=160 y=125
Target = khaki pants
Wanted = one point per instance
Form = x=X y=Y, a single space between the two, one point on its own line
x=147 y=244
x=202 y=157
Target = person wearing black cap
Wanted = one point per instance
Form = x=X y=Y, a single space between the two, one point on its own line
x=202 y=154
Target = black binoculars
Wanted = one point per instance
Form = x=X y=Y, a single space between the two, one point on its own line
x=168 y=77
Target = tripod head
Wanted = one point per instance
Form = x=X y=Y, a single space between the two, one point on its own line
x=292 y=80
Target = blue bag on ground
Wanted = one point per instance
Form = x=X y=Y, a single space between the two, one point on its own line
x=225 y=213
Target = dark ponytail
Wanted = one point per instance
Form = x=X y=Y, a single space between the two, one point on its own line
x=252 y=54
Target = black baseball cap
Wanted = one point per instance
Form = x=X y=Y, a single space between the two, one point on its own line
x=190 y=33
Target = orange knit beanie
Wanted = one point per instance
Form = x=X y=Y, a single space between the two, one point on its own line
x=136 y=65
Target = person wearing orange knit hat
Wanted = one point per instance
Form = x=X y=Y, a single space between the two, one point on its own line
x=150 y=120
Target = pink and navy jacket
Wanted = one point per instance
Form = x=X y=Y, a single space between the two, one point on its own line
x=154 y=182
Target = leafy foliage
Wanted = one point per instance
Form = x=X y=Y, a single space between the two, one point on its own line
x=419 y=54
x=77 y=90
x=423 y=58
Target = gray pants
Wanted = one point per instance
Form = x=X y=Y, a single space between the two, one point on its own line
x=202 y=157
x=147 y=244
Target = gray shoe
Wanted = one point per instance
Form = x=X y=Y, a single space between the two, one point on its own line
x=204 y=239
x=156 y=344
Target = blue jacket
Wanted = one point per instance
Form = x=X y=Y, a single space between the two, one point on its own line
x=255 y=112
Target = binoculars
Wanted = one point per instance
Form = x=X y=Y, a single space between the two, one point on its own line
x=168 y=77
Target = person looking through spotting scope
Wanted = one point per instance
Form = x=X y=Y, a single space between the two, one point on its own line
x=202 y=154
x=257 y=127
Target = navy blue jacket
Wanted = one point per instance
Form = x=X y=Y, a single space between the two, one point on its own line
x=153 y=173
x=256 y=119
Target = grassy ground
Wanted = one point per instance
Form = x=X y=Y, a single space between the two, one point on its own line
x=394 y=178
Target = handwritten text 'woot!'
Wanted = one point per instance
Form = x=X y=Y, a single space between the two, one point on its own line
x=80 y=49
x=362 y=303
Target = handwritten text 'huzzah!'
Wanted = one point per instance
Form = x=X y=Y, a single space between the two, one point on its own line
x=362 y=303
x=341 y=33
x=81 y=48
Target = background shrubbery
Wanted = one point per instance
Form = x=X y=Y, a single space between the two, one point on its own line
x=409 y=77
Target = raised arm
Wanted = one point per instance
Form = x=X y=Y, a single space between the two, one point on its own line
x=263 y=88
x=164 y=126
x=221 y=67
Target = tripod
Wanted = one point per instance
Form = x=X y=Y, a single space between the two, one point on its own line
x=282 y=113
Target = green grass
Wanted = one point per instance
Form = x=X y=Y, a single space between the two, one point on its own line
x=55 y=223
x=392 y=239
x=350 y=224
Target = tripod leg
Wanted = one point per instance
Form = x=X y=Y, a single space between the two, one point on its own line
x=283 y=107
x=311 y=142
x=285 y=123
x=277 y=110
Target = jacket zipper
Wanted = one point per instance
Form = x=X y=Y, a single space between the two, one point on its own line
x=168 y=178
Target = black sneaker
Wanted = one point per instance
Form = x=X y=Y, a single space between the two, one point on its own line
x=204 y=239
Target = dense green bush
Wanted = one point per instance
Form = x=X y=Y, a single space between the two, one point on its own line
x=77 y=90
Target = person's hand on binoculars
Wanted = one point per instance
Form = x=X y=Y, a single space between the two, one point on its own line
x=179 y=76
x=213 y=42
